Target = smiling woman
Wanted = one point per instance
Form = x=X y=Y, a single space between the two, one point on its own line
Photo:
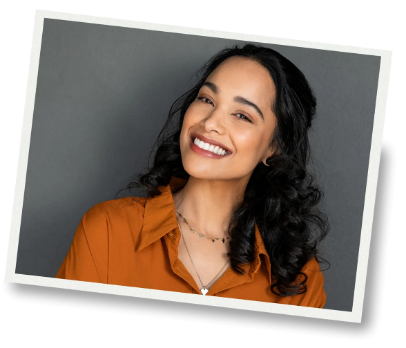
x=230 y=207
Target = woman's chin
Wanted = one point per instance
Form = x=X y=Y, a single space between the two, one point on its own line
x=201 y=173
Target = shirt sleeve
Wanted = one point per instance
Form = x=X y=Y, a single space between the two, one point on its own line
x=88 y=254
x=315 y=295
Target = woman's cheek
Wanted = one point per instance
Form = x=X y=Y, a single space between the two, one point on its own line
x=246 y=141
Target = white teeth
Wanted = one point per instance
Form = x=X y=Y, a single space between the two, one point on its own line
x=209 y=147
x=200 y=143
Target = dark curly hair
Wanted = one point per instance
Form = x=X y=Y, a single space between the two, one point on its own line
x=282 y=197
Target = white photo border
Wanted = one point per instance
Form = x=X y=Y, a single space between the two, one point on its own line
x=370 y=194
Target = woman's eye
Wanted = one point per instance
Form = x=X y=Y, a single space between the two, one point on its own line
x=243 y=117
x=205 y=100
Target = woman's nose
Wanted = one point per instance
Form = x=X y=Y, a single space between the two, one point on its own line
x=215 y=121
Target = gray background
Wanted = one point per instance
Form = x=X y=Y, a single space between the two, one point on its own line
x=102 y=96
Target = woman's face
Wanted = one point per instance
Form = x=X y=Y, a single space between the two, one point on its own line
x=234 y=108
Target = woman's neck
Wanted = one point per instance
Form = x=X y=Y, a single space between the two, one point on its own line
x=208 y=204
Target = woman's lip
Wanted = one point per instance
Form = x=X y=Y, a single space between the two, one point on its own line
x=205 y=153
x=210 y=141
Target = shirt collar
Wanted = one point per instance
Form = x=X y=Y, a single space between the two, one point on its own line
x=160 y=219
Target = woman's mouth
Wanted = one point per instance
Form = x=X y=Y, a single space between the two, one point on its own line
x=206 y=149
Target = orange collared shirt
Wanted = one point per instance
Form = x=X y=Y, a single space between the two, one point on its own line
x=133 y=241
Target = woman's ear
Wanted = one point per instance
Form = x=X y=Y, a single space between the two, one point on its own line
x=269 y=153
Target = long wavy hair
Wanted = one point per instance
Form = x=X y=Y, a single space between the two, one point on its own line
x=282 y=198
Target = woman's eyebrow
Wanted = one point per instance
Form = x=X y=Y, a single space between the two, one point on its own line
x=237 y=99
x=211 y=85
x=244 y=101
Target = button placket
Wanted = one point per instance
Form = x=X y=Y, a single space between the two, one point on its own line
x=173 y=236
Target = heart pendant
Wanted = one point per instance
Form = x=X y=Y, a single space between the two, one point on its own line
x=204 y=291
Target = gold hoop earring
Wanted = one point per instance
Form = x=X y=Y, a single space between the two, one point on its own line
x=265 y=162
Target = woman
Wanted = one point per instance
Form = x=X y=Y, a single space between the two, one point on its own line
x=231 y=209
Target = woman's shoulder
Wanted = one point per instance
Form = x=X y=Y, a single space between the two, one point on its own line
x=313 y=272
x=311 y=266
x=118 y=206
x=126 y=213
x=107 y=227
x=315 y=295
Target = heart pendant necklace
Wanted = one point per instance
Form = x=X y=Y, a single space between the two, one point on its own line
x=204 y=289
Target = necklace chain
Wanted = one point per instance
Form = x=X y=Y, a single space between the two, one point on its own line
x=201 y=235
x=204 y=289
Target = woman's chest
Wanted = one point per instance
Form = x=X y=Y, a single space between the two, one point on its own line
x=204 y=260
x=164 y=266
